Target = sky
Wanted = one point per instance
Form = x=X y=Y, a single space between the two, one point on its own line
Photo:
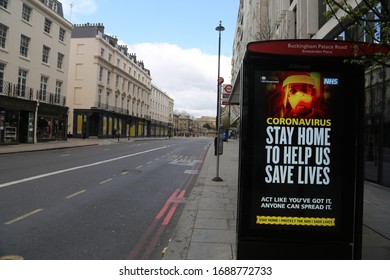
x=176 y=40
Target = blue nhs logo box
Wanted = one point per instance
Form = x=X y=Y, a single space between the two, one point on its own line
x=331 y=81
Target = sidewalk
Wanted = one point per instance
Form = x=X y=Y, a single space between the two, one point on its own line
x=70 y=143
x=207 y=227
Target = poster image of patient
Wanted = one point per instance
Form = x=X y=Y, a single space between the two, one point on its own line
x=303 y=95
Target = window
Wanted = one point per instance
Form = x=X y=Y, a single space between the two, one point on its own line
x=107 y=99
x=57 y=96
x=108 y=78
x=3 y=35
x=117 y=81
x=51 y=4
x=99 y=97
x=109 y=57
x=4 y=4
x=43 y=88
x=24 y=45
x=61 y=35
x=2 y=70
x=100 y=73
x=102 y=52
x=47 y=27
x=60 y=60
x=45 y=54
x=22 y=80
x=26 y=12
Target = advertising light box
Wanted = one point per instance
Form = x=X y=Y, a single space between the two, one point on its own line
x=300 y=174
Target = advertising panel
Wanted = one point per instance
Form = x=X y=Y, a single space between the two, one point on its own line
x=299 y=167
x=300 y=174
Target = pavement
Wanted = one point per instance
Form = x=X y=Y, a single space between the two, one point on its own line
x=206 y=229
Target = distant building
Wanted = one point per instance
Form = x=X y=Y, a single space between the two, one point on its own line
x=185 y=125
x=161 y=112
x=205 y=125
x=109 y=89
x=34 y=54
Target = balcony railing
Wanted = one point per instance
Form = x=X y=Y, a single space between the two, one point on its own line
x=27 y=93
x=107 y=107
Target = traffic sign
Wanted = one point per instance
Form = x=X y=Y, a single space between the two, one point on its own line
x=220 y=80
x=227 y=88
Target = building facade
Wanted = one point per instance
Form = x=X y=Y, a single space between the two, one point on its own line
x=185 y=125
x=305 y=19
x=161 y=113
x=34 y=54
x=205 y=126
x=109 y=89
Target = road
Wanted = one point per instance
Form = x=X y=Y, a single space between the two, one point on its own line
x=117 y=201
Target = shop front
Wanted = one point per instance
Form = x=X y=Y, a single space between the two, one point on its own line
x=102 y=124
x=51 y=122
x=16 y=120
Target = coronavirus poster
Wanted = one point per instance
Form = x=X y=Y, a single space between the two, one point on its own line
x=297 y=186
x=300 y=185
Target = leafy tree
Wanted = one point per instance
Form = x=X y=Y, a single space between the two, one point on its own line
x=364 y=20
x=207 y=126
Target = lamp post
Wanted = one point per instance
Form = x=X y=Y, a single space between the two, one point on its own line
x=219 y=28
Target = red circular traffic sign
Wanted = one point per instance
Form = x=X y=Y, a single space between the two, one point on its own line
x=220 y=80
x=228 y=88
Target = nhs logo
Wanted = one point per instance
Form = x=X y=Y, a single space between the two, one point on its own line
x=331 y=81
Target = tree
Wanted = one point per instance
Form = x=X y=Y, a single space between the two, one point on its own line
x=369 y=21
x=364 y=20
x=207 y=126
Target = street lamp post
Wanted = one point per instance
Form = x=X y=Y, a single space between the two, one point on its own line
x=219 y=28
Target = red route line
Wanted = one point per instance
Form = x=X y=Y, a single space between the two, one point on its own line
x=165 y=222
x=135 y=251
x=165 y=207
x=173 y=209
x=161 y=229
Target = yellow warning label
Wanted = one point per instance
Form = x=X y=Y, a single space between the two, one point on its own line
x=295 y=221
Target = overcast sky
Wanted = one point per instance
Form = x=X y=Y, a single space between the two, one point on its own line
x=176 y=39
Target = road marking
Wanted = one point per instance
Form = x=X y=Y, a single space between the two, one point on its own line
x=149 y=162
x=191 y=171
x=144 y=238
x=124 y=172
x=105 y=181
x=168 y=217
x=77 y=167
x=139 y=167
x=65 y=155
x=11 y=257
x=75 y=194
x=23 y=216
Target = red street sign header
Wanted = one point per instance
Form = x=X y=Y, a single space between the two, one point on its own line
x=316 y=48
